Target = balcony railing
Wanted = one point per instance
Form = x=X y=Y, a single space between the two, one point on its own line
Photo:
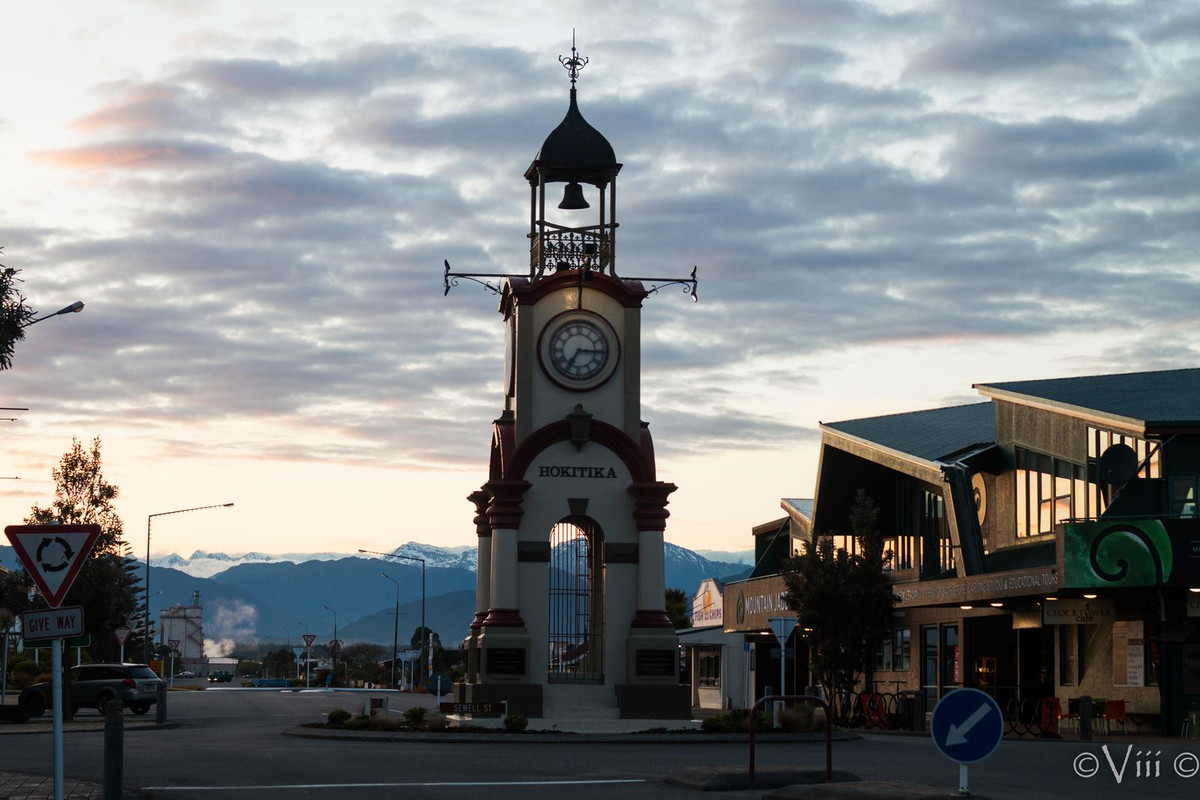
x=571 y=248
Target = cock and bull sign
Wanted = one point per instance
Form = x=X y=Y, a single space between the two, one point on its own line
x=1131 y=552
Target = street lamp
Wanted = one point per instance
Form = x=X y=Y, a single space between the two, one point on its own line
x=424 y=631
x=335 y=644
x=148 y=521
x=395 y=626
x=74 y=308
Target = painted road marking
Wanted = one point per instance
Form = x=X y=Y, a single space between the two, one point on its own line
x=425 y=784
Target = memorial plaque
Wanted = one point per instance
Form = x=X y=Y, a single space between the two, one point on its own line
x=656 y=663
x=504 y=661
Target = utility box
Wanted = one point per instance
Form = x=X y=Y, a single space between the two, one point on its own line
x=376 y=705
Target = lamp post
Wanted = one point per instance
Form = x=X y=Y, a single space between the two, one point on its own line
x=424 y=631
x=74 y=308
x=149 y=519
x=336 y=645
x=395 y=626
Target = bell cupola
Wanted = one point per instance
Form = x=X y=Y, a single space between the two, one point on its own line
x=577 y=155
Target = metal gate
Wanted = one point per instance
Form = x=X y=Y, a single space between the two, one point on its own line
x=576 y=629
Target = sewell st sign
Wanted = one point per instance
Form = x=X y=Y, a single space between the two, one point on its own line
x=54 y=623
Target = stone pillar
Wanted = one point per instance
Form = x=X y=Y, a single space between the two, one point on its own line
x=483 y=580
x=503 y=640
x=652 y=689
x=650 y=514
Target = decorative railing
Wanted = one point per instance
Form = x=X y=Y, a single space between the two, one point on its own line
x=571 y=248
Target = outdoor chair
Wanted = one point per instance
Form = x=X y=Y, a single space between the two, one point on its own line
x=1114 y=714
x=1070 y=720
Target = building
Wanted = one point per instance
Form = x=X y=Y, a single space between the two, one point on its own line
x=1045 y=543
x=570 y=608
x=185 y=625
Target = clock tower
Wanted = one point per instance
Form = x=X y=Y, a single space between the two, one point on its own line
x=570 y=617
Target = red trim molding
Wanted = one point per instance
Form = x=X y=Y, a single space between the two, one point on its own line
x=505 y=510
x=630 y=294
x=640 y=468
x=504 y=618
x=651 y=618
x=477 y=623
x=482 y=500
x=650 y=504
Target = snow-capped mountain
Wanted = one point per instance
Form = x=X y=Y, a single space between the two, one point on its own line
x=684 y=568
x=201 y=564
x=434 y=556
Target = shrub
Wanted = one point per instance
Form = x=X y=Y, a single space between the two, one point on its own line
x=436 y=722
x=339 y=717
x=360 y=722
x=515 y=723
x=415 y=716
x=736 y=721
x=385 y=722
x=797 y=718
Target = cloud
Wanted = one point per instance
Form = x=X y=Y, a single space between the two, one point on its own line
x=276 y=213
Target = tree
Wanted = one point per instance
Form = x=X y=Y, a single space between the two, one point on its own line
x=14 y=314
x=677 y=609
x=843 y=601
x=107 y=587
x=362 y=661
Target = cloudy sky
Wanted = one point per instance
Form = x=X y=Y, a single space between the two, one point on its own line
x=887 y=202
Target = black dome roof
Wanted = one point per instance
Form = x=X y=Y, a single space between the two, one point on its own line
x=575 y=151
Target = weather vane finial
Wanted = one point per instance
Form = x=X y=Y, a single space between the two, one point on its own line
x=575 y=63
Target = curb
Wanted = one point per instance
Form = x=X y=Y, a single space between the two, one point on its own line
x=558 y=737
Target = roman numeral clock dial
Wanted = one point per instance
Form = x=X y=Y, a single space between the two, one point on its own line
x=578 y=350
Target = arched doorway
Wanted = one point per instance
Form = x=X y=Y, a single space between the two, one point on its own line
x=576 y=607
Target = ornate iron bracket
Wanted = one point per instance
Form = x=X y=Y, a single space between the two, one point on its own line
x=690 y=284
x=450 y=279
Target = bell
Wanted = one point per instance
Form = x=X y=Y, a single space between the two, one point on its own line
x=573 y=197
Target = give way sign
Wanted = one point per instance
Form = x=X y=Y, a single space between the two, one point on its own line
x=53 y=555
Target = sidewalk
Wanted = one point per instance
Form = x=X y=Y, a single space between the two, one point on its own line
x=15 y=786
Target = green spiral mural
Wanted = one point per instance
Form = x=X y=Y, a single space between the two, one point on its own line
x=1116 y=553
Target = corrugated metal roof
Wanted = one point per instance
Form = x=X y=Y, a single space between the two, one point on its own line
x=931 y=435
x=802 y=507
x=1155 y=398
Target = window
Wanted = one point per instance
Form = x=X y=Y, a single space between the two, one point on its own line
x=708 y=667
x=1050 y=491
x=929 y=664
x=845 y=542
x=883 y=653
x=936 y=533
x=1068 y=654
x=1183 y=496
x=902 y=652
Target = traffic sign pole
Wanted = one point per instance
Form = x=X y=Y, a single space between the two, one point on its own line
x=57 y=707
x=966 y=727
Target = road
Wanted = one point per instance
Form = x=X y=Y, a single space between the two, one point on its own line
x=229 y=744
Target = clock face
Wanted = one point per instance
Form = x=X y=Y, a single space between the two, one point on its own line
x=579 y=350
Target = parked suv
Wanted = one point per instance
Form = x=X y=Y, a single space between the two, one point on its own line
x=93 y=685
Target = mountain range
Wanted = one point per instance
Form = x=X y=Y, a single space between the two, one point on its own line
x=279 y=597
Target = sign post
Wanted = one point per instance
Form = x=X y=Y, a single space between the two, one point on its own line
x=966 y=727
x=309 y=638
x=53 y=556
x=174 y=645
x=781 y=627
x=122 y=635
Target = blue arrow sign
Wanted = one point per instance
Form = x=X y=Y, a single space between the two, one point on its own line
x=967 y=726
